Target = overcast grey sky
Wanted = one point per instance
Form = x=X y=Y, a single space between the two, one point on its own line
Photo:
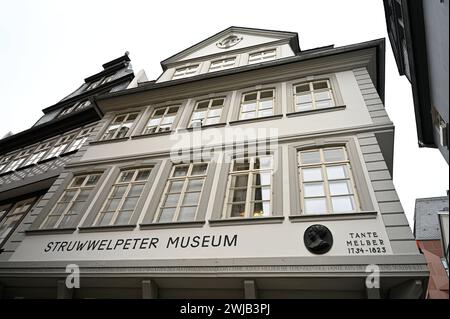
x=48 y=47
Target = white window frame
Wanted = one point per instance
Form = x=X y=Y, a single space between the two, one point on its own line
x=4 y=162
x=185 y=71
x=38 y=153
x=258 y=102
x=124 y=197
x=14 y=218
x=185 y=179
x=250 y=187
x=124 y=123
x=72 y=201
x=262 y=56
x=19 y=159
x=80 y=139
x=160 y=127
x=312 y=94
x=222 y=64
x=323 y=164
x=207 y=111
x=60 y=146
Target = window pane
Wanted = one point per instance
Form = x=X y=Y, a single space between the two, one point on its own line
x=266 y=104
x=324 y=103
x=172 y=200
x=195 y=185
x=310 y=157
x=187 y=213
x=314 y=189
x=218 y=102
x=123 y=218
x=202 y=105
x=126 y=176
x=111 y=205
x=135 y=190
x=304 y=98
x=336 y=172
x=241 y=164
x=333 y=155
x=131 y=117
x=315 y=206
x=267 y=112
x=320 y=85
x=105 y=219
x=262 y=193
x=262 y=179
x=199 y=169
x=160 y=112
x=78 y=181
x=83 y=195
x=143 y=175
x=172 y=110
x=175 y=187
x=239 y=195
x=180 y=171
x=211 y=121
x=303 y=107
x=322 y=96
x=302 y=88
x=263 y=162
x=261 y=209
x=214 y=112
x=168 y=120
x=246 y=107
x=198 y=115
x=154 y=122
x=312 y=174
x=248 y=115
x=266 y=94
x=239 y=181
x=129 y=203
x=166 y=215
x=92 y=180
x=339 y=188
x=119 y=191
x=343 y=204
x=191 y=198
x=237 y=210
x=250 y=96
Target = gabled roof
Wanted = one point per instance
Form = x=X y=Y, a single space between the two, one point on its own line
x=293 y=36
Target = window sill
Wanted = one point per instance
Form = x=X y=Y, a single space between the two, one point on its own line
x=68 y=153
x=339 y=216
x=46 y=160
x=109 y=141
x=151 y=134
x=192 y=224
x=324 y=110
x=50 y=231
x=93 y=229
x=257 y=119
x=24 y=167
x=199 y=128
x=246 y=221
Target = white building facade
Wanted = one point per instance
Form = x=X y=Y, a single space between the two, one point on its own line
x=249 y=168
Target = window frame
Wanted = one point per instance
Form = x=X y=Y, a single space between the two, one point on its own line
x=80 y=136
x=158 y=127
x=334 y=88
x=111 y=122
x=366 y=196
x=262 y=52
x=60 y=146
x=43 y=148
x=222 y=59
x=185 y=67
x=208 y=109
x=68 y=188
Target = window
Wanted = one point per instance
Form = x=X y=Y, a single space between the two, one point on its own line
x=182 y=193
x=19 y=159
x=185 y=72
x=67 y=110
x=123 y=198
x=83 y=105
x=71 y=202
x=93 y=85
x=13 y=217
x=38 y=154
x=222 y=64
x=120 y=126
x=161 y=119
x=250 y=187
x=313 y=95
x=257 y=104
x=107 y=79
x=80 y=139
x=207 y=112
x=4 y=162
x=60 y=146
x=326 y=180
x=262 y=56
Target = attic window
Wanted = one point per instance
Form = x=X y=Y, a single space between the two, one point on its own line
x=222 y=64
x=262 y=56
x=185 y=72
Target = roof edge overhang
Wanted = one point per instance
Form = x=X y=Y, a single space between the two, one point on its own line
x=294 y=42
x=377 y=72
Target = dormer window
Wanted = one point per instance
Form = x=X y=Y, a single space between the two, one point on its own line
x=222 y=64
x=262 y=56
x=185 y=72
x=107 y=79
x=83 y=104
x=93 y=85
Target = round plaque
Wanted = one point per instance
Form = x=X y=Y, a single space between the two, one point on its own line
x=318 y=239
